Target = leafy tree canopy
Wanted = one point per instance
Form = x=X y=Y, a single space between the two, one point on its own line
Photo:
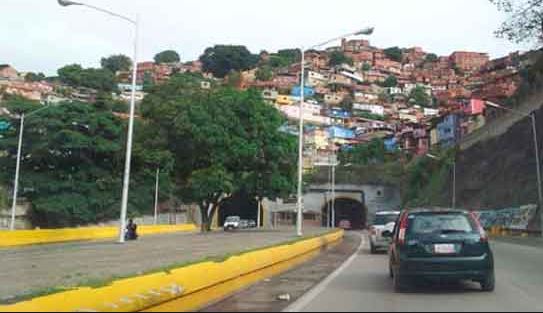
x=264 y=73
x=33 y=77
x=394 y=53
x=73 y=164
x=431 y=57
x=100 y=79
x=223 y=141
x=116 y=63
x=525 y=21
x=419 y=97
x=391 y=81
x=220 y=60
x=168 y=56
x=339 y=58
x=364 y=154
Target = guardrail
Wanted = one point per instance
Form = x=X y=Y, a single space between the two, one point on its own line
x=184 y=289
x=48 y=236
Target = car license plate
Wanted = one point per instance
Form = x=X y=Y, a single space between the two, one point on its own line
x=445 y=249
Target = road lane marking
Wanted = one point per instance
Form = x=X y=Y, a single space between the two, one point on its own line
x=305 y=300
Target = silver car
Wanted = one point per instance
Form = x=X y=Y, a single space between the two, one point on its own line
x=383 y=221
x=232 y=223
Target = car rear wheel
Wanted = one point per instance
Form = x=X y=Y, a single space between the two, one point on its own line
x=489 y=283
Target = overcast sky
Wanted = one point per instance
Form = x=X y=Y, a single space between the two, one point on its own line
x=39 y=35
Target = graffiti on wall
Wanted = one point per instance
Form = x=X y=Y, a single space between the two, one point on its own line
x=511 y=218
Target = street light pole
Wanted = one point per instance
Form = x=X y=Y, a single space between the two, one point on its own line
x=156 y=195
x=334 y=190
x=299 y=221
x=539 y=179
x=454 y=185
x=18 y=166
x=128 y=161
x=329 y=199
x=17 y=170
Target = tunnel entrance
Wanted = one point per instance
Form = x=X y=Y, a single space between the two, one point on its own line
x=347 y=210
x=239 y=204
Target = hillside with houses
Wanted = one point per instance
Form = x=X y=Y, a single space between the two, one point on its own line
x=407 y=99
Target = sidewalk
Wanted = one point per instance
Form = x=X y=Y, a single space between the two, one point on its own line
x=536 y=242
x=27 y=271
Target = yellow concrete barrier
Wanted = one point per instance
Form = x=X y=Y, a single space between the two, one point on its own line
x=46 y=236
x=184 y=289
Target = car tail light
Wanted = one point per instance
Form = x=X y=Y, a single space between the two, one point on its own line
x=402 y=229
x=482 y=232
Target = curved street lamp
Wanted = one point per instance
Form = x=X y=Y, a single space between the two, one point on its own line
x=126 y=179
x=299 y=221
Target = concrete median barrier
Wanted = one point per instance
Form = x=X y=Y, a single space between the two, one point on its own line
x=184 y=289
x=48 y=236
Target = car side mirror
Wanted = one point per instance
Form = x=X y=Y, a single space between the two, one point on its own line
x=387 y=234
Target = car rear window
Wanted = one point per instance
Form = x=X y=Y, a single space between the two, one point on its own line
x=383 y=219
x=441 y=223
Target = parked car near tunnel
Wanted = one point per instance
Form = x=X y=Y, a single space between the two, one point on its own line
x=383 y=221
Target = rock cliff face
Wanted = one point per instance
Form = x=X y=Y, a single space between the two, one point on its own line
x=501 y=171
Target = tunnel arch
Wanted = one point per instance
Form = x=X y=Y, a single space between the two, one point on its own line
x=348 y=209
x=239 y=204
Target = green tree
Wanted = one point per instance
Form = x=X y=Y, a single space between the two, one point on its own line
x=71 y=74
x=264 y=73
x=364 y=154
x=223 y=141
x=99 y=79
x=72 y=170
x=33 y=77
x=391 y=81
x=339 y=58
x=290 y=56
x=148 y=81
x=168 y=56
x=366 y=67
x=394 y=53
x=431 y=57
x=220 y=60
x=419 y=97
x=525 y=22
x=116 y=63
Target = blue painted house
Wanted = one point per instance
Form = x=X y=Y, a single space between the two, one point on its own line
x=339 y=113
x=308 y=92
x=391 y=144
x=336 y=132
x=449 y=130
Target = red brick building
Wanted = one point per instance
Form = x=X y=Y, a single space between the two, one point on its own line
x=355 y=46
x=469 y=61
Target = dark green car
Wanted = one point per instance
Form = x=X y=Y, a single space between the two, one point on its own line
x=440 y=244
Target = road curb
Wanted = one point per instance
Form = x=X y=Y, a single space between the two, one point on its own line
x=189 y=288
x=19 y=238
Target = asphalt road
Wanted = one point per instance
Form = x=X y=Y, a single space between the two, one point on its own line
x=363 y=285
